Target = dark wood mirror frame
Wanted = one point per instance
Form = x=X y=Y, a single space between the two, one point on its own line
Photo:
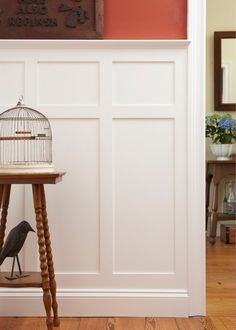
x=219 y=106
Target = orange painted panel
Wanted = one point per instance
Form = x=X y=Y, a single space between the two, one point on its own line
x=145 y=19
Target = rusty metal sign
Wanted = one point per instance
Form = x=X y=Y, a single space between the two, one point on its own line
x=51 y=19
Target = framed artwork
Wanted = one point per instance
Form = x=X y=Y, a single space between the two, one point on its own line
x=224 y=72
x=51 y=19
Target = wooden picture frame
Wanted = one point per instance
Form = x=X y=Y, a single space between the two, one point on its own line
x=51 y=19
x=219 y=104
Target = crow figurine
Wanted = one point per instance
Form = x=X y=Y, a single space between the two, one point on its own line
x=13 y=245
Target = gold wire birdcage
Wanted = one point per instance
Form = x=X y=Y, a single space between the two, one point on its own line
x=25 y=140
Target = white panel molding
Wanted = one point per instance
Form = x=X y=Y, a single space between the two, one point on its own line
x=104 y=292
x=84 y=69
x=30 y=93
x=79 y=202
x=137 y=147
x=144 y=273
x=12 y=81
x=127 y=74
x=34 y=51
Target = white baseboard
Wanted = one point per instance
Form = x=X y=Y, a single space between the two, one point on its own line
x=77 y=303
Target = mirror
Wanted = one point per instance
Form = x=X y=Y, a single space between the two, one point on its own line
x=225 y=70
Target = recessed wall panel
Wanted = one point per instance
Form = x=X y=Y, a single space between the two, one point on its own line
x=73 y=205
x=138 y=83
x=72 y=83
x=12 y=79
x=143 y=195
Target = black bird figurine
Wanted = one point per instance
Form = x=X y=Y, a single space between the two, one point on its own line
x=14 y=243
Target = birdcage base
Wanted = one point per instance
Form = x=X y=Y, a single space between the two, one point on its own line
x=25 y=168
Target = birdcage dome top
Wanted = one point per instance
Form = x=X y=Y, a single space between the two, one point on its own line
x=25 y=140
x=21 y=113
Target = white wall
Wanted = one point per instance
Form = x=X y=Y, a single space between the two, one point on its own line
x=221 y=16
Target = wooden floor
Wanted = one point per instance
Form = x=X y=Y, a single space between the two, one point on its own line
x=221 y=280
x=197 y=323
x=221 y=304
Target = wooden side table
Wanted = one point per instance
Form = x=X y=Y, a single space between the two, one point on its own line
x=45 y=278
x=215 y=172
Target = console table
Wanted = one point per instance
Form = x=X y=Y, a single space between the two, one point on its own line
x=216 y=170
x=46 y=278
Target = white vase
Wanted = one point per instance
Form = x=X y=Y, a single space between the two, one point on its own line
x=222 y=151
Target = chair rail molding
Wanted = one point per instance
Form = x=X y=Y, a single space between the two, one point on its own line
x=98 y=44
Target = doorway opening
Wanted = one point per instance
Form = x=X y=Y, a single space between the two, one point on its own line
x=220 y=255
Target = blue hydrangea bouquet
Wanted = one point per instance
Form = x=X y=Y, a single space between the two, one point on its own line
x=221 y=129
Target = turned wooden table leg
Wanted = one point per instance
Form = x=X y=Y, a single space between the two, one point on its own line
x=1 y=194
x=214 y=213
x=56 y=320
x=5 y=191
x=42 y=253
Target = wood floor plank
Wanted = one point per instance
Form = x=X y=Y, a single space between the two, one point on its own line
x=218 y=323
x=151 y=323
x=192 y=323
x=94 y=323
x=160 y=323
x=128 y=323
x=69 y=323
x=229 y=322
x=111 y=323
x=221 y=279
x=5 y=322
x=208 y=324
x=221 y=306
x=27 y=323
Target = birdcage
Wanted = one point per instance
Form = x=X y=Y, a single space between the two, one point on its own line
x=25 y=140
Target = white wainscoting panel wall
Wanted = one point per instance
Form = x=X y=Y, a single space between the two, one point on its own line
x=119 y=220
